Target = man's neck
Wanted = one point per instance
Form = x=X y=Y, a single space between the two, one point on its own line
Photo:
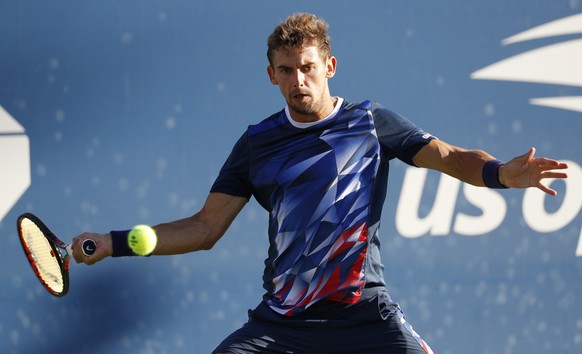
x=317 y=116
x=337 y=102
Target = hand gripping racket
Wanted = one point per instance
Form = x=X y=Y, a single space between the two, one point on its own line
x=44 y=251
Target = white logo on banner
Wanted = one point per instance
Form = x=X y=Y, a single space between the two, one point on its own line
x=14 y=162
x=559 y=63
x=441 y=219
x=553 y=64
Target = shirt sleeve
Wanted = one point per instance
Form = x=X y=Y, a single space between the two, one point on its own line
x=399 y=137
x=233 y=178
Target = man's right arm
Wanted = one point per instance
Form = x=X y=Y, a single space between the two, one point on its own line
x=198 y=232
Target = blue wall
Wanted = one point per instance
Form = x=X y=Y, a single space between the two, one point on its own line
x=132 y=107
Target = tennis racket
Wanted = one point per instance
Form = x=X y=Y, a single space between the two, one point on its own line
x=49 y=257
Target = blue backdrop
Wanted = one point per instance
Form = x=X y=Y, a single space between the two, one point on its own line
x=131 y=107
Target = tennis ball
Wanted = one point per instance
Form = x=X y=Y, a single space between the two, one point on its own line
x=142 y=240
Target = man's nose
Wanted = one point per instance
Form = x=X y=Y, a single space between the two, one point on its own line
x=299 y=78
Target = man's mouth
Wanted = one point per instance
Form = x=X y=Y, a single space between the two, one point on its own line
x=300 y=95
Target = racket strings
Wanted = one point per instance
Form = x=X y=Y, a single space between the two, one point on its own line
x=43 y=258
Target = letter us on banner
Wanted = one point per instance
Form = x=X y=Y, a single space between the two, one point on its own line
x=441 y=218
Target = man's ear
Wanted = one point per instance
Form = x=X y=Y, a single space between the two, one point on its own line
x=271 y=73
x=331 y=66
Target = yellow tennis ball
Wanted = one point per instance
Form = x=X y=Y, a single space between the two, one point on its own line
x=142 y=240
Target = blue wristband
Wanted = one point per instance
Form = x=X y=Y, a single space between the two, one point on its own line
x=491 y=174
x=120 y=245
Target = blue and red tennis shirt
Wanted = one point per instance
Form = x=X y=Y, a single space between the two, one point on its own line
x=323 y=185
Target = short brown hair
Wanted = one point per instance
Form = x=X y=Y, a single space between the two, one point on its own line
x=298 y=30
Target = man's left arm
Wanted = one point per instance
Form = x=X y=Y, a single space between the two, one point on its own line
x=479 y=168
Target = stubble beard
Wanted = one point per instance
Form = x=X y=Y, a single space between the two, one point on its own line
x=310 y=108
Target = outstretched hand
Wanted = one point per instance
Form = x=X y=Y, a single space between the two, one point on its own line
x=528 y=171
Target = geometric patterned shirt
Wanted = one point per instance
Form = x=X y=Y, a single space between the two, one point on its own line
x=323 y=185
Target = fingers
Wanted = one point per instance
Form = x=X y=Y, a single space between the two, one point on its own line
x=549 y=169
x=548 y=172
x=558 y=166
x=544 y=162
x=530 y=154
x=101 y=251
x=549 y=164
x=524 y=159
x=77 y=250
x=528 y=171
x=547 y=190
x=544 y=165
x=551 y=174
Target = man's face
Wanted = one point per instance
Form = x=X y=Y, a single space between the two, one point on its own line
x=302 y=76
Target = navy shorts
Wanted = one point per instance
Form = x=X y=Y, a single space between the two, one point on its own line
x=373 y=325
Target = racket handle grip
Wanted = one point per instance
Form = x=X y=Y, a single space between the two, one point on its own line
x=89 y=246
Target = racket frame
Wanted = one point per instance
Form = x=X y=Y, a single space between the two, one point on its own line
x=57 y=247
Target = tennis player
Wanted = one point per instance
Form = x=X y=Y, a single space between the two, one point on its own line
x=319 y=167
